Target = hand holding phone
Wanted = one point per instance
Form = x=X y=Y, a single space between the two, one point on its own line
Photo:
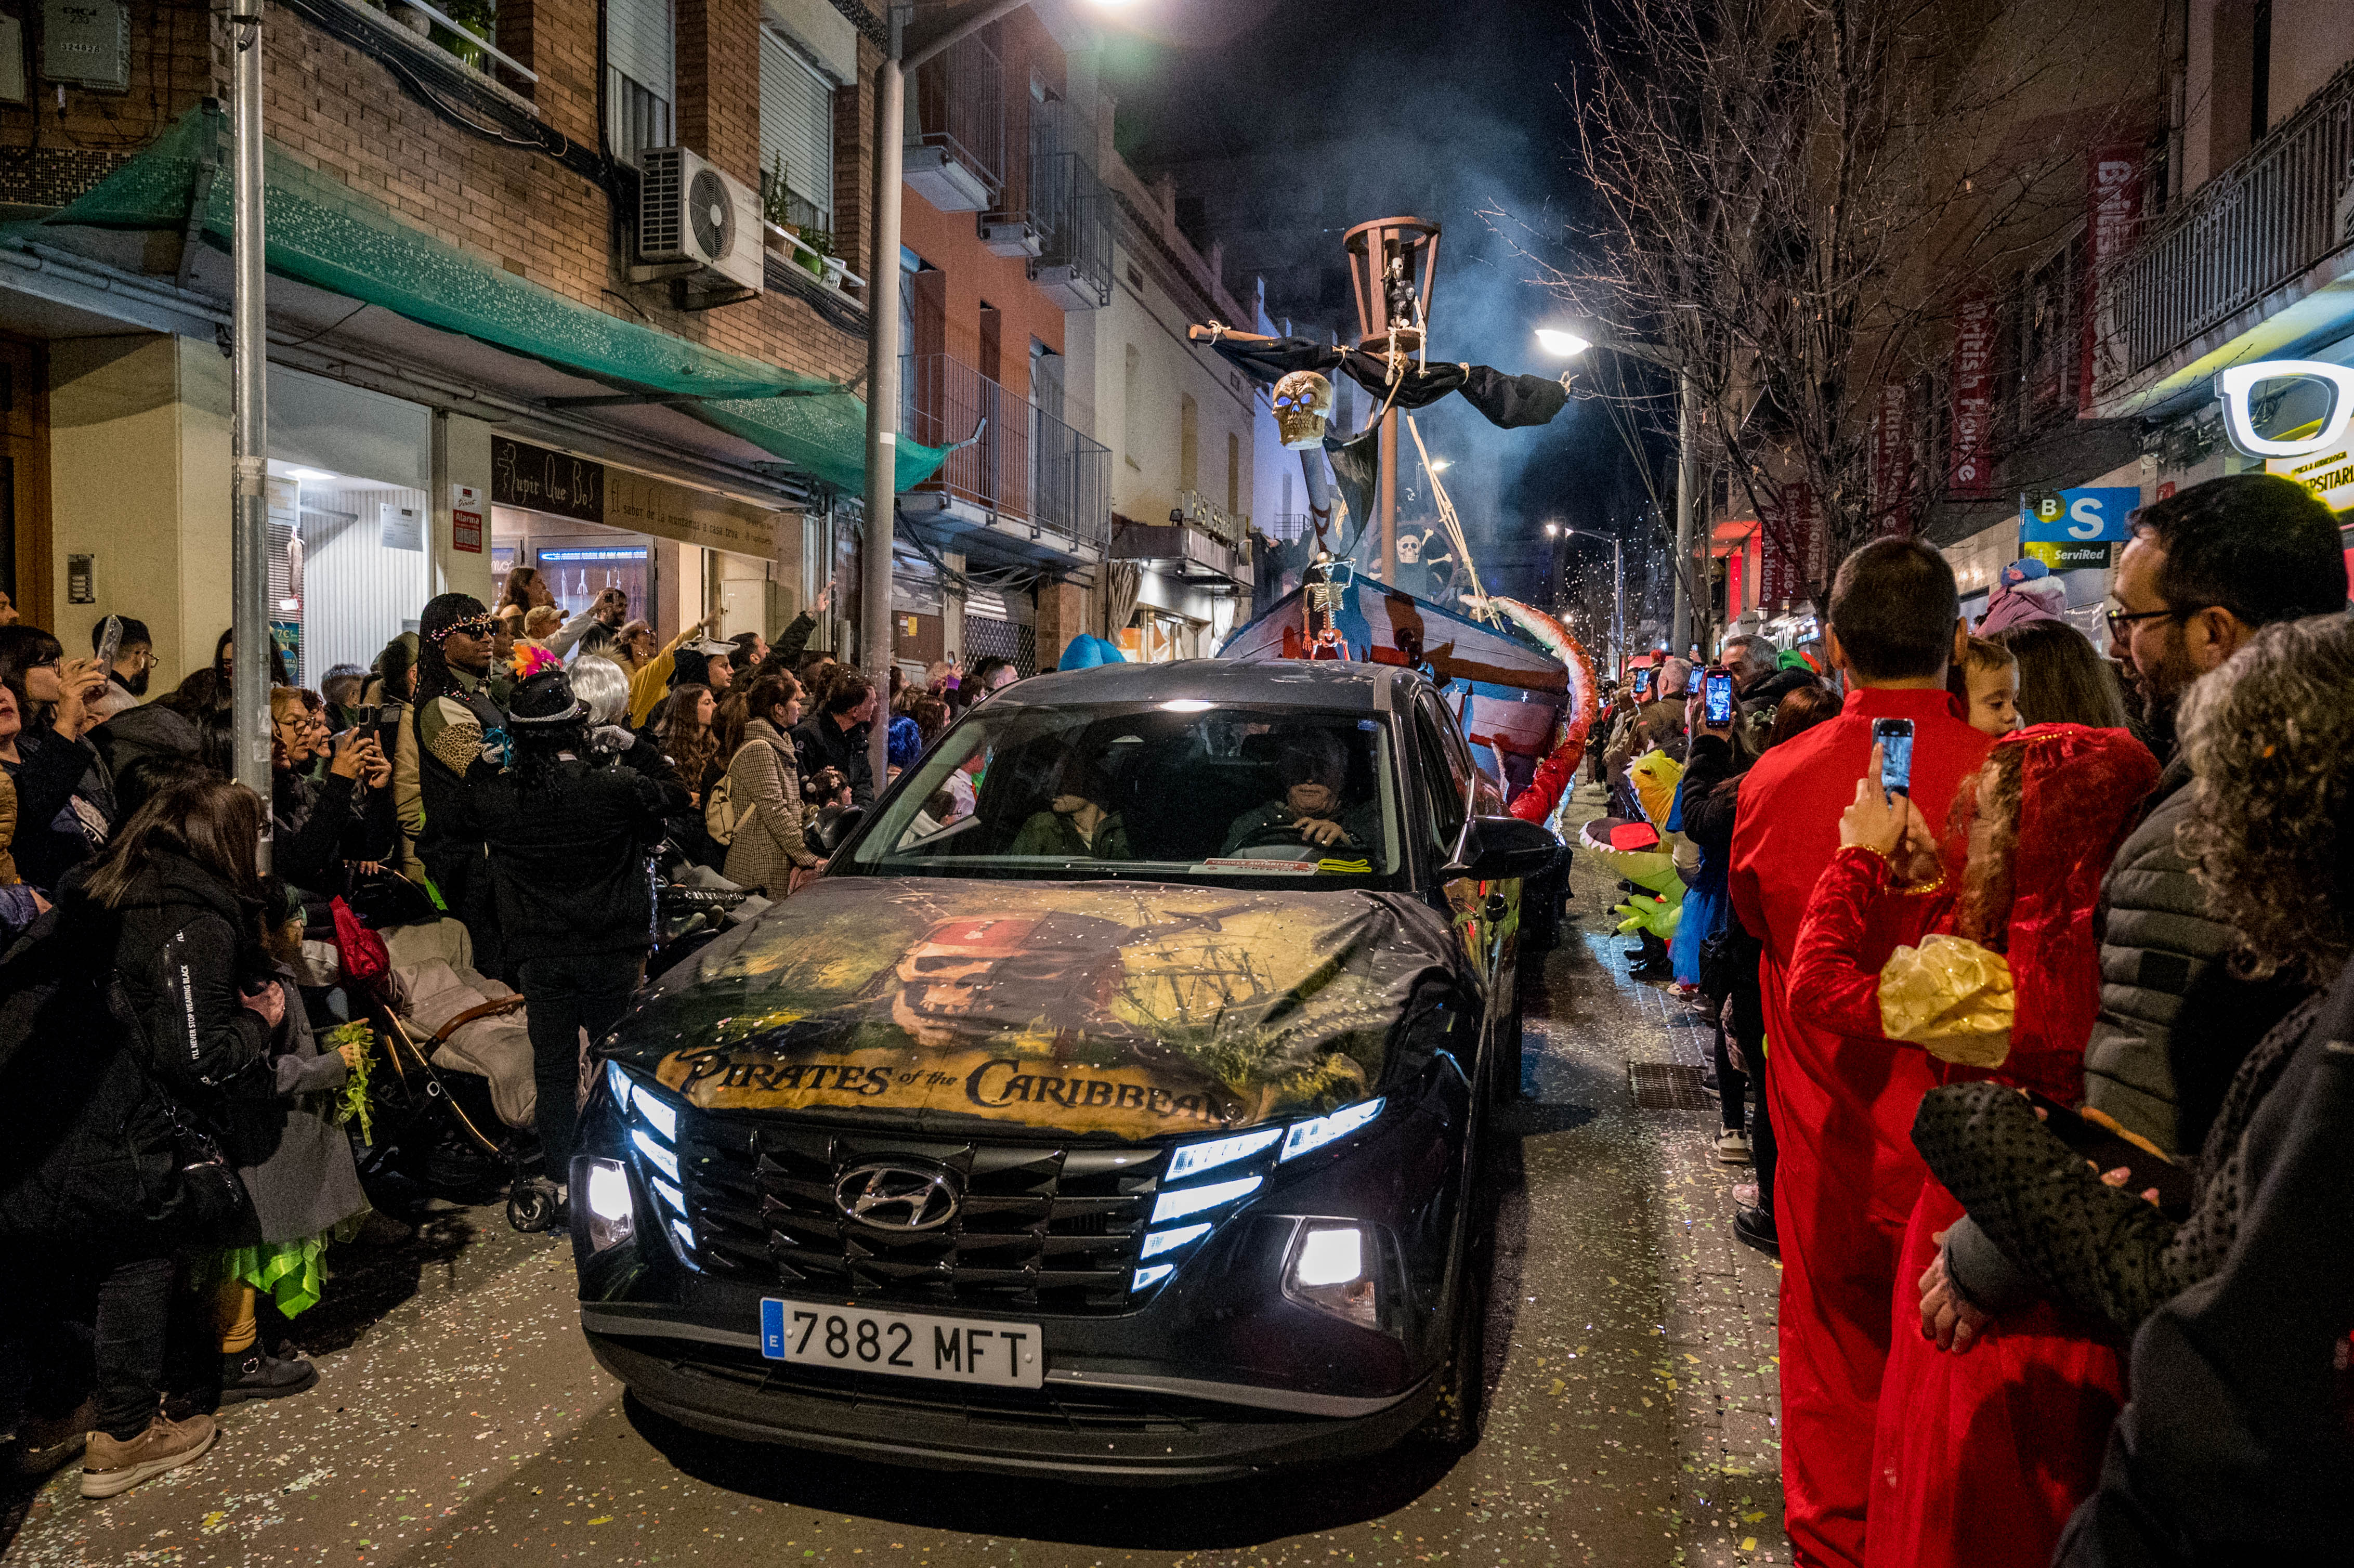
x=1892 y=743
x=109 y=642
x=1716 y=688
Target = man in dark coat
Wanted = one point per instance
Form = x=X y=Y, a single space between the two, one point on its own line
x=835 y=737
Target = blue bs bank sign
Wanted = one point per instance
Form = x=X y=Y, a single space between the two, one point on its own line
x=2071 y=530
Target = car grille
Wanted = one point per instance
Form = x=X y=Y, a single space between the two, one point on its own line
x=1050 y=1225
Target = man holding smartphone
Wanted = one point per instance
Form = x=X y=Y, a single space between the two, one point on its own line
x=1843 y=1108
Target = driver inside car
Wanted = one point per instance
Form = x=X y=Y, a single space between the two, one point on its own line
x=1312 y=769
x=1077 y=822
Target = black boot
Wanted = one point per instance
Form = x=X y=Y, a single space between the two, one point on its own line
x=1754 y=1228
x=257 y=1374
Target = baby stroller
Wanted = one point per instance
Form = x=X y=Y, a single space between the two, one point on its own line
x=451 y=1093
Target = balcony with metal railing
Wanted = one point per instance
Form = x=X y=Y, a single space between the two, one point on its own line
x=1023 y=485
x=2255 y=243
x=955 y=158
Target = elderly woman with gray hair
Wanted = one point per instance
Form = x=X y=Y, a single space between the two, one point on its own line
x=2269 y=737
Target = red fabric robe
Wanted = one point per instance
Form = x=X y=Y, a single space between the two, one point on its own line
x=1842 y=1109
x=1979 y=1459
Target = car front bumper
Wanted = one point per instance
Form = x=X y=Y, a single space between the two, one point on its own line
x=1110 y=1429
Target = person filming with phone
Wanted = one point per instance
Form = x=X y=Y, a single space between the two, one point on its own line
x=1843 y=1107
x=345 y=814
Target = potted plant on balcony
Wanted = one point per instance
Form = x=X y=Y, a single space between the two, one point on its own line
x=777 y=202
x=479 y=22
x=819 y=260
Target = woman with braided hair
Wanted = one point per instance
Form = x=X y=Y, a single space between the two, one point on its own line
x=457 y=722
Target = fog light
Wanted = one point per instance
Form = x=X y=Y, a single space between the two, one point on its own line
x=611 y=1212
x=1329 y=1271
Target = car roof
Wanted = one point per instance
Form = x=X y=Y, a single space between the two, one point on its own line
x=1282 y=683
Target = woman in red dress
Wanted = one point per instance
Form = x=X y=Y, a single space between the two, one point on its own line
x=1979 y=1458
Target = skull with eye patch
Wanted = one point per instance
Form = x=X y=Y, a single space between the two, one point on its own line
x=978 y=978
x=1303 y=405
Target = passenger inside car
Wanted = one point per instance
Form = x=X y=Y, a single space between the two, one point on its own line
x=1076 y=820
x=1312 y=770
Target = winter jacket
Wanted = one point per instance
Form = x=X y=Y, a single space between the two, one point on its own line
x=1752 y=731
x=2100 y=1248
x=317 y=824
x=65 y=805
x=569 y=856
x=825 y=744
x=764 y=784
x=85 y=1133
x=2175 y=1021
x=86 y=1097
x=2236 y=1447
x=296 y=1162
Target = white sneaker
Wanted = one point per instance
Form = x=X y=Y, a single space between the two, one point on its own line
x=1732 y=1148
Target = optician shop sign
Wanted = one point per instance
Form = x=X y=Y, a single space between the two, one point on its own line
x=2249 y=391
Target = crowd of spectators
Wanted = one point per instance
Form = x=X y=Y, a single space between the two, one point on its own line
x=2039 y=1058
x=509 y=775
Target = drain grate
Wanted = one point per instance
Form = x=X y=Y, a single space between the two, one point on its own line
x=1669 y=1085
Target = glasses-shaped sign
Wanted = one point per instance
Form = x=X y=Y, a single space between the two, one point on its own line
x=2281 y=393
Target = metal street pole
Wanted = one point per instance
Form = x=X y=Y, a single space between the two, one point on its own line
x=249 y=431
x=883 y=344
x=883 y=383
x=1687 y=498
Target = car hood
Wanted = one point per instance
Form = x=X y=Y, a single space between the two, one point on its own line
x=1129 y=1010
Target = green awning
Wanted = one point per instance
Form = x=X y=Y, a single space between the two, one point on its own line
x=322 y=233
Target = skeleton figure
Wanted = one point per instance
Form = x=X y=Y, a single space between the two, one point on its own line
x=1303 y=403
x=1409 y=547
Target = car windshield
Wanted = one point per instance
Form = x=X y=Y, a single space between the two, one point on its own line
x=1168 y=790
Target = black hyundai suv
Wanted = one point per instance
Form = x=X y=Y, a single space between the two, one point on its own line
x=1109 y=1109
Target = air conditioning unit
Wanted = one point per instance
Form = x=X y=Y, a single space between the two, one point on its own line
x=697 y=224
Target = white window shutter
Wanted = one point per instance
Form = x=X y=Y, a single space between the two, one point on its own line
x=639 y=45
x=797 y=123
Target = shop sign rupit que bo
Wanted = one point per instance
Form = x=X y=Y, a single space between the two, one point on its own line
x=587 y=492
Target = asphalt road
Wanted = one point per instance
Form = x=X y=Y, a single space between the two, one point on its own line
x=460 y=1419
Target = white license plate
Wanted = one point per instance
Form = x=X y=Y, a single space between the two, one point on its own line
x=902 y=1344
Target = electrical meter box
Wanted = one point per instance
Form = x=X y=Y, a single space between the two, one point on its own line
x=87 y=43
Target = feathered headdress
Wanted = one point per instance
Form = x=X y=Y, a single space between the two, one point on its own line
x=530 y=659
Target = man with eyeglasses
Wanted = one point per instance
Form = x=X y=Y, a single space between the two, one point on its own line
x=2205 y=570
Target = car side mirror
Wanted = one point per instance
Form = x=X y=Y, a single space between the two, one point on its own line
x=834 y=825
x=1501 y=849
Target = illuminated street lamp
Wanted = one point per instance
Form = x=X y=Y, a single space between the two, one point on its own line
x=1618 y=586
x=1568 y=342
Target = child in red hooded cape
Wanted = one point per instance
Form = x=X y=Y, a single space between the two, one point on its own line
x=1979 y=1458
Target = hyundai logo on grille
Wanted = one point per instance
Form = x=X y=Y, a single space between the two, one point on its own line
x=896 y=1197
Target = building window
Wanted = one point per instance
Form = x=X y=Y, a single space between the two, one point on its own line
x=641 y=83
x=796 y=136
x=1189 y=443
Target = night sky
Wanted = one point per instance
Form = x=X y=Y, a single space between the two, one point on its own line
x=1284 y=124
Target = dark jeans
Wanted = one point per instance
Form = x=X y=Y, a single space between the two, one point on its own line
x=562 y=996
x=1731 y=1087
x=134 y=1312
x=1749 y=1032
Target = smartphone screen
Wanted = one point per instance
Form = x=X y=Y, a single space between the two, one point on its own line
x=1719 y=697
x=1643 y=683
x=109 y=642
x=1894 y=738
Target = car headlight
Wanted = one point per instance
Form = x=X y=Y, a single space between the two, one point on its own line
x=1192 y=1159
x=604 y=1187
x=631 y=1097
x=1307 y=1135
x=1332 y=1270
